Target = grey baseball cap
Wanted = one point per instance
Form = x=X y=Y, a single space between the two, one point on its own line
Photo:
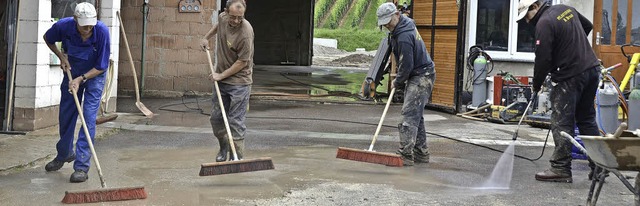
x=385 y=12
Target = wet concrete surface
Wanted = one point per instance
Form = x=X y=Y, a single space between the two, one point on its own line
x=306 y=172
x=301 y=135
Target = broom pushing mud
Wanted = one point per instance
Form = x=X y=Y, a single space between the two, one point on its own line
x=235 y=165
x=104 y=194
x=369 y=155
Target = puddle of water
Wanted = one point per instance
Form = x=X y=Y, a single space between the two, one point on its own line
x=500 y=178
x=333 y=84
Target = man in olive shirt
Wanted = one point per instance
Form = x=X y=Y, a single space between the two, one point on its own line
x=233 y=73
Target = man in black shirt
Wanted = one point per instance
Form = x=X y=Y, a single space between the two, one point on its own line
x=563 y=51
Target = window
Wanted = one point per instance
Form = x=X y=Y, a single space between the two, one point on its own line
x=492 y=25
x=65 y=8
x=621 y=32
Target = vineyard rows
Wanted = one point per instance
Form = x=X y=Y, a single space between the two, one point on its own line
x=349 y=14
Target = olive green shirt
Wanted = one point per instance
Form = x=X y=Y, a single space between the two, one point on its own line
x=235 y=44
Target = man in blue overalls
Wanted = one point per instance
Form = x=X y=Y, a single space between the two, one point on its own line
x=86 y=49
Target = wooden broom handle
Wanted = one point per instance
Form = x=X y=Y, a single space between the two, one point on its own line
x=224 y=113
x=86 y=131
x=133 y=67
x=384 y=113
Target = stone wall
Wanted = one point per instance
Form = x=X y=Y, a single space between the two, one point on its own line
x=174 y=63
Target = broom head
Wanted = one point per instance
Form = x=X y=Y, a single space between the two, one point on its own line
x=238 y=166
x=383 y=158
x=104 y=195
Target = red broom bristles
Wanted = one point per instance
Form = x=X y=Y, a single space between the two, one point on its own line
x=104 y=195
x=239 y=166
x=387 y=159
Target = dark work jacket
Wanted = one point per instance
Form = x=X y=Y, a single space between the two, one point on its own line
x=562 y=46
x=410 y=51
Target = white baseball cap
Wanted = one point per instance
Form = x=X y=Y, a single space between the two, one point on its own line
x=385 y=12
x=523 y=8
x=86 y=14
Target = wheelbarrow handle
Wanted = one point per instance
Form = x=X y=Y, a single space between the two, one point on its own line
x=623 y=126
x=574 y=142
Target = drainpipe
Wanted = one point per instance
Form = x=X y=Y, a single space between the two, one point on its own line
x=145 y=12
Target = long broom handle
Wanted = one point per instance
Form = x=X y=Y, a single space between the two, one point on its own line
x=224 y=113
x=12 y=78
x=86 y=132
x=133 y=67
x=384 y=113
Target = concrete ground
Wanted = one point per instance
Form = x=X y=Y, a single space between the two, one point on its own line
x=164 y=155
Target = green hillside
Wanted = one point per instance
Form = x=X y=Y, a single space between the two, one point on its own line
x=351 y=22
x=347 y=14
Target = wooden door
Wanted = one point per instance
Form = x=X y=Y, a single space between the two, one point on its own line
x=441 y=26
x=612 y=31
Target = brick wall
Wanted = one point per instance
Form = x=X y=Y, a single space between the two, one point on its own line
x=173 y=59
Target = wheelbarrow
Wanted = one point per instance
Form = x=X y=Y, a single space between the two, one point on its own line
x=612 y=154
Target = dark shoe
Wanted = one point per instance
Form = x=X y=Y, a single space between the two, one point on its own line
x=420 y=157
x=55 y=165
x=224 y=150
x=79 y=176
x=407 y=160
x=550 y=176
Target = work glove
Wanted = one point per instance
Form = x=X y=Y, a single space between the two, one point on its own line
x=535 y=89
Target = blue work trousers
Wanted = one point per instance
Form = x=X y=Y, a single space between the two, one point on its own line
x=89 y=95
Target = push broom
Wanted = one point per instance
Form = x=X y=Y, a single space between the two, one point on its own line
x=148 y=113
x=235 y=165
x=369 y=155
x=104 y=194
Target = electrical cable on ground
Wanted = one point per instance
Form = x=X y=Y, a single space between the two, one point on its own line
x=431 y=133
x=201 y=111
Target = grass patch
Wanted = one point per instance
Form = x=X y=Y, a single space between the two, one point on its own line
x=350 y=39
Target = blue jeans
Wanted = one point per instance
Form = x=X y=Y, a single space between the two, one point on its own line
x=89 y=95
x=413 y=138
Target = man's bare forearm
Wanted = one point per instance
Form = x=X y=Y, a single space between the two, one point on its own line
x=235 y=68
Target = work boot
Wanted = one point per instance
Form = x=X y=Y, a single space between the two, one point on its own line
x=55 y=165
x=407 y=159
x=551 y=176
x=420 y=156
x=79 y=176
x=224 y=149
x=239 y=148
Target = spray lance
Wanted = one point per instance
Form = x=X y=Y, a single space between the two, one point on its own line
x=533 y=98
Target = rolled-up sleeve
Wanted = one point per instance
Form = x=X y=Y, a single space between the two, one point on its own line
x=103 y=44
x=54 y=34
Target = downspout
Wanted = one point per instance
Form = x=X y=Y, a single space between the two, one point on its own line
x=460 y=52
x=145 y=13
x=7 y=123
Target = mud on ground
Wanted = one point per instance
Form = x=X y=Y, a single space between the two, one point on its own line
x=332 y=57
